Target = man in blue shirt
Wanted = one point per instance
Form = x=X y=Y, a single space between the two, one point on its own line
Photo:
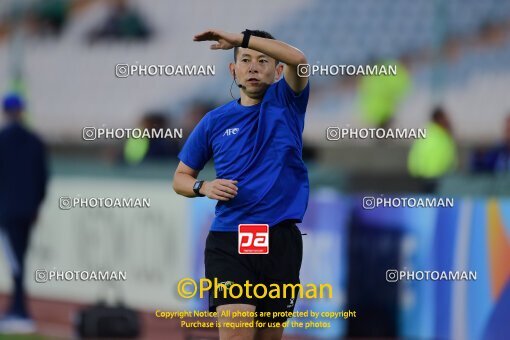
x=497 y=159
x=256 y=143
x=23 y=180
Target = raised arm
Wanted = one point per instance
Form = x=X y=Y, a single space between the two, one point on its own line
x=276 y=49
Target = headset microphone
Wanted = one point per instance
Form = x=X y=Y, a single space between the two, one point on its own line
x=238 y=85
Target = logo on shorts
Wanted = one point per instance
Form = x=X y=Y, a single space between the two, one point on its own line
x=229 y=132
x=224 y=284
x=253 y=239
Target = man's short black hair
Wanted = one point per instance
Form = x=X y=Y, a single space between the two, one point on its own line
x=255 y=33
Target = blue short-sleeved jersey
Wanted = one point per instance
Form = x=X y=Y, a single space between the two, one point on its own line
x=260 y=146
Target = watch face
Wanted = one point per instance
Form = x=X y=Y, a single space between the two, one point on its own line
x=197 y=185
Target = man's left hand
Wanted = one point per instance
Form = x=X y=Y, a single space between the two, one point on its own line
x=225 y=40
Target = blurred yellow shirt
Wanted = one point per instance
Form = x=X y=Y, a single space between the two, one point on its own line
x=380 y=95
x=135 y=150
x=433 y=156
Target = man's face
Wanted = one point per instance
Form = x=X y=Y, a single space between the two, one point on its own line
x=255 y=71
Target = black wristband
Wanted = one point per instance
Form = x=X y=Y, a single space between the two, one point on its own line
x=196 y=188
x=246 y=38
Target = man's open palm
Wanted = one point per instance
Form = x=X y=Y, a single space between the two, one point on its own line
x=225 y=41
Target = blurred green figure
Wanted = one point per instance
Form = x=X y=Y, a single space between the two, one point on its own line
x=436 y=155
x=380 y=95
x=135 y=150
x=138 y=150
x=49 y=17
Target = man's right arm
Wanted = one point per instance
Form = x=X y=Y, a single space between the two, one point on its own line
x=219 y=189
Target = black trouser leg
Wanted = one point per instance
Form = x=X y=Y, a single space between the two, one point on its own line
x=17 y=233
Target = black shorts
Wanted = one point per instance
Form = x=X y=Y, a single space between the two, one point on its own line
x=280 y=266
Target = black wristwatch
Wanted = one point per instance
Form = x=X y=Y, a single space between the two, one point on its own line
x=196 y=188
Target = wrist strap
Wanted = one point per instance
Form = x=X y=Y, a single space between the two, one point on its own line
x=246 y=38
x=196 y=188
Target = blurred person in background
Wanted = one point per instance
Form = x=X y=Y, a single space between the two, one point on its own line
x=154 y=149
x=496 y=159
x=123 y=22
x=380 y=95
x=194 y=114
x=23 y=179
x=436 y=155
x=48 y=17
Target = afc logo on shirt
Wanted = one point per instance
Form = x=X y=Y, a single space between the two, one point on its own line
x=229 y=132
x=253 y=239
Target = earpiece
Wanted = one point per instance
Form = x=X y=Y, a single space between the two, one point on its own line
x=235 y=81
